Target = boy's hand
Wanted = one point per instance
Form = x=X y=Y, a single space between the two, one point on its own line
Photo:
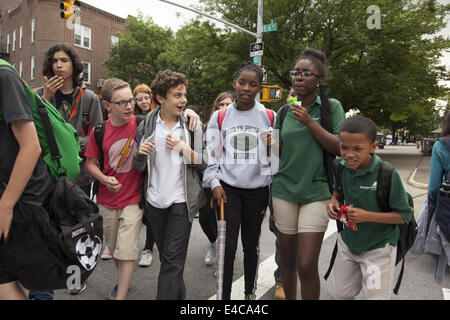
x=357 y=215
x=194 y=119
x=6 y=215
x=51 y=86
x=146 y=148
x=112 y=184
x=173 y=143
x=219 y=193
x=333 y=208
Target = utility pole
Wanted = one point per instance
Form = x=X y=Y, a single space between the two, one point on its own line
x=259 y=26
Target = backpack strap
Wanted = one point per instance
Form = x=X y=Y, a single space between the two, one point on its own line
x=385 y=171
x=222 y=114
x=270 y=115
x=337 y=172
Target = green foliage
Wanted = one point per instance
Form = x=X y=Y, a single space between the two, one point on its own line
x=390 y=74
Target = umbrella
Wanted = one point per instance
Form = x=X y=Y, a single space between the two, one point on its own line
x=220 y=248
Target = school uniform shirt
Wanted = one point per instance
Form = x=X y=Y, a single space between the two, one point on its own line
x=239 y=163
x=119 y=145
x=166 y=182
x=360 y=191
x=302 y=176
x=14 y=106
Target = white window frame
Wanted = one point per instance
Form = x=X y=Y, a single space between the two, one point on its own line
x=83 y=33
x=8 y=43
x=14 y=40
x=114 y=40
x=88 y=70
x=33 y=67
x=20 y=68
x=20 y=36
x=33 y=30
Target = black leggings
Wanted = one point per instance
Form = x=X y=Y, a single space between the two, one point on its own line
x=244 y=207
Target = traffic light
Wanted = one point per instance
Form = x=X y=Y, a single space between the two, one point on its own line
x=71 y=8
x=271 y=94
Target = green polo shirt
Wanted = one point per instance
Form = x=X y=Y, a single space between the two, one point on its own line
x=360 y=191
x=301 y=176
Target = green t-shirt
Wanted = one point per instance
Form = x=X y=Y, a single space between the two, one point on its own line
x=301 y=176
x=360 y=191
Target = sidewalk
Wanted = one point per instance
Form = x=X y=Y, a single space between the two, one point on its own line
x=420 y=175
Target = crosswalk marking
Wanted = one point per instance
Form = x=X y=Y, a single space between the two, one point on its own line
x=446 y=293
x=265 y=274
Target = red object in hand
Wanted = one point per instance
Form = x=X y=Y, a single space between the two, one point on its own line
x=342 y=216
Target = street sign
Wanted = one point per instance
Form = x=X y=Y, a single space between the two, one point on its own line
x=256 y=49
x=256 y=59
x=270 y=27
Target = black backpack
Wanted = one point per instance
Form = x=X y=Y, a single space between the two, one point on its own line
x=55 y=244
x=442 y=210
x=408 y=231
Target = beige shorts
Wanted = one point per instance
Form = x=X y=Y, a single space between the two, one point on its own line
x=121 y=229
x=370 y=273
x=292 y=217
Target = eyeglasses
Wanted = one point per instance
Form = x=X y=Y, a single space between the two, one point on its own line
x=124 y=103
x=303 y=74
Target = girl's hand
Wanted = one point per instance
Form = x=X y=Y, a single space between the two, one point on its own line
x=267 y=138
x=146 y=148
x=219 y=193
x=51 y=86
x=301 y=114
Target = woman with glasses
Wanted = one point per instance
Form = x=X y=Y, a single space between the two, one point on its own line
x=300 y=188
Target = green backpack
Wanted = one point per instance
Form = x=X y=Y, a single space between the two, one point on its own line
x=63 y=157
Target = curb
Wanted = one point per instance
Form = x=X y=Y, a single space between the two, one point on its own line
x=415 y=183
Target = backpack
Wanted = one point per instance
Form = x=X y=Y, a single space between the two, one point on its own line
x=408 y=231
x=61 y=153
x=55 y=244
x=442 y=210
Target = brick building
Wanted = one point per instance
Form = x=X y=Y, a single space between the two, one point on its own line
x=28 y=28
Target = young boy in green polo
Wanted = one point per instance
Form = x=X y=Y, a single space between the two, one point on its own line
x=365 y=261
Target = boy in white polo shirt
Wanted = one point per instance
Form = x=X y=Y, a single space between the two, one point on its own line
x=173 y=189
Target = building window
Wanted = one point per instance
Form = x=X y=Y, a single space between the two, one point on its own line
x=87 y=72
x=14 y=41
x=7 y=43
x=33 y=30
x=82 y=36
x=20 y=36
x=20 y=68
x=33 y=67
x=114 y=40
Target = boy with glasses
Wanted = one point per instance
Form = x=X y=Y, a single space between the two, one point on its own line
x=120 y=184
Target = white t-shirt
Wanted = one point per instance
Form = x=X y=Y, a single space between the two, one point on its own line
x=166 y=183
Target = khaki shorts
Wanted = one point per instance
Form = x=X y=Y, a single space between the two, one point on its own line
x=292 y=217
x=121 y=229
x=370 y=273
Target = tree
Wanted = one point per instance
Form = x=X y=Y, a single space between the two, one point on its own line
x=136 y=57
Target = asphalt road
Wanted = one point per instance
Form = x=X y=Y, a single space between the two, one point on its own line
x=418 y=281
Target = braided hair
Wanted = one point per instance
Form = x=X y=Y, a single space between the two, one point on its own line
x=249 y=66
x=319 y=60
